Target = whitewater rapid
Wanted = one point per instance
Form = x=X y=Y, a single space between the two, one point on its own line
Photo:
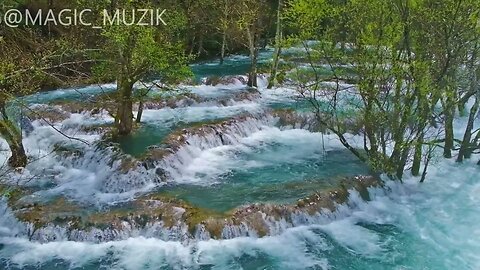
x=434 y=225
x=412 y=226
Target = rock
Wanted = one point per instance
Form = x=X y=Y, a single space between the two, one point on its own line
x=186 y=102
x=213 y=80
x=128 y=164
x=180 y=100
x=225 y=80
x=162 y=174
x=301 y=203
x=64 y=150
x=148 y=164
x=250 y=94
x=26 y=125
x=95 y=111
x=47 y=113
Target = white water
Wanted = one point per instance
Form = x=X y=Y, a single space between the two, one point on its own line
x=198 y=113
x=434 y=225
x=415 y=226
x=94 y=177
x=85 y=178
x=83 y=93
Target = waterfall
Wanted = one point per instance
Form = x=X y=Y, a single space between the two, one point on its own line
x=208 y=137
x=9 y=224
x=255 y=220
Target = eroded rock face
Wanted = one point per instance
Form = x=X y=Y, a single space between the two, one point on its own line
x=178 y=101
x=172 y=219
x=50 y=114
x=83 y=106
x=226 y=80
x=163 y=159
x=288 y=117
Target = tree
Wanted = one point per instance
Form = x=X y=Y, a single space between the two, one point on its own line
x=133 y=53
x=473 y=73
x=391 y=101
x=252 y=19
x=447 y=29
x=278 y=46
x=12 y=62
x=226 y=10
x=200 y=19
x=28 y=63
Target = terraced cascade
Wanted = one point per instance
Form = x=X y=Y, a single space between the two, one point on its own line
x=219 y=176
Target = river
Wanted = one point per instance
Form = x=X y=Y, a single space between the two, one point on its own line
x=434 y=225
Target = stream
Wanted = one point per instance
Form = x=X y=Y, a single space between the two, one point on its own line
x=236 y=153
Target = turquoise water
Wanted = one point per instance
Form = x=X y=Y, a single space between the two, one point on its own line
x=268 y=175
x=233 y=65
x=431 y=226
x=78 y=93
x=160 y=123
x=434 y=225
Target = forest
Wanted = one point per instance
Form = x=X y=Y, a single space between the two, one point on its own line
x=222 y=134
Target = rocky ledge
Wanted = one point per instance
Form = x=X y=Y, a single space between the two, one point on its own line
x=159 y=216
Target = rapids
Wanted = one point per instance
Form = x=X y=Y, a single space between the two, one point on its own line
x=414 y=226
x=256 y=159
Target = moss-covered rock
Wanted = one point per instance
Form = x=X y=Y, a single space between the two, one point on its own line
x=65 y=150
x=160 y=208
x=13 y=194
x=57 y=212
x=50 y=114
x=225 y=80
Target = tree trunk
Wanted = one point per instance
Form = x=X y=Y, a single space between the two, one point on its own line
x=465 y=148
x=403 y=162
x=468 y=146
x=192 y=46
x=140 y=112
x=427 y=162
x=278 y=47
x=417 y=157
x=18 y=157
x=49 y=26
x=124 y=115
x=273 y=74
x=252 y=76
x=224 y=47
x=449 y=136
x=113 y=6
x=200 y=46
x=13 y=136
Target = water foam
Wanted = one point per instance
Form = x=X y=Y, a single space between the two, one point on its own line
x=429 y=226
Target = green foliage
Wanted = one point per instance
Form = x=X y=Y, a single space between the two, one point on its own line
x=404 y=56
x=309 y=16
x=139 y=51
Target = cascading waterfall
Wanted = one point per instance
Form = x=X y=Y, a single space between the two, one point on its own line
x=210 y=137
x=94 y=207
x=383 y=233
x=77 y=168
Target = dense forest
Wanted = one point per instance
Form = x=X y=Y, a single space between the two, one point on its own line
x=412 y=80
x=395 y=82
